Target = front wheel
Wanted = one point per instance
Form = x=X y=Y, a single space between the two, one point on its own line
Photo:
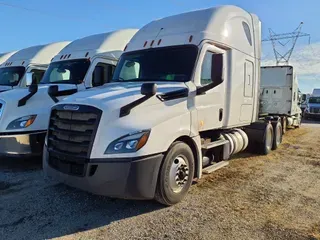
x=176 y=174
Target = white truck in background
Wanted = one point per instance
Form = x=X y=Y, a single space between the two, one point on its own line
x=34 y=59
x=304 y=101
x=313 y=105
x=84 y=63
x=184 y=98
x=280 y=95
x=5 y=56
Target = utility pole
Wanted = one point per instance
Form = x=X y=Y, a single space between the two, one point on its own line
x=283 y=40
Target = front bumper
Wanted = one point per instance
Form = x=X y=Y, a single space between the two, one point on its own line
x=28 y=144
x=121 y=178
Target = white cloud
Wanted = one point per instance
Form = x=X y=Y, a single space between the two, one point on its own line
x=305 y=60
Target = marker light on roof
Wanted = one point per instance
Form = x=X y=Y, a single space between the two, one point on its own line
x=190 y=38
x=152 y=43
x=159 y=42
x=145 y=44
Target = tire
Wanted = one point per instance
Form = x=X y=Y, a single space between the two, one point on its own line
x=284 y=125
x=267 y=141
x=168 y=191
x=277 y=135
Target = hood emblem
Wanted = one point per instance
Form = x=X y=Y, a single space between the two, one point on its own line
x=71 y=107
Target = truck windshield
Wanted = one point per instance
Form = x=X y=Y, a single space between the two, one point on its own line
x=314 y=100
x=157 y=64
x=70 y=71
x=10 y=76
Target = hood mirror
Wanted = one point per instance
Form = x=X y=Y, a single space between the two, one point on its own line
x=33 y=88
x=149 y=89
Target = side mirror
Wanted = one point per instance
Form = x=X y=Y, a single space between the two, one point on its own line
x=33 y=88
x=53 y=92
x=98 y=76
x=149 y=89
x=29 y=78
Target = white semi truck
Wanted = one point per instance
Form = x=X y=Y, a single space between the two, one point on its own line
x=280 y=95
x=184 y=98
x=5 y=56
x=312 y=109
x=84 y=63
x=34 y=59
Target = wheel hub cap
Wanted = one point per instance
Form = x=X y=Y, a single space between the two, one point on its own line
x=179 y=174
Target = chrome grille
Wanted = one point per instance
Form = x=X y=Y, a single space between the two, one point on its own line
x=70 y=137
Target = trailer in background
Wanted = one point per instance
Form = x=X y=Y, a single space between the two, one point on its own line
x=280 y=95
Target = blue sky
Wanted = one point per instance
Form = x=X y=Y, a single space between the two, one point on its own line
x=70 y=19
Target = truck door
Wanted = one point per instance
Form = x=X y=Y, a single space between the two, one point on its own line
x=100 y=72
x=248 y=100
x=210 y=105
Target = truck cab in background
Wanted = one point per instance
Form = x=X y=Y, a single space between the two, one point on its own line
x=313 y=105
x=36 y=59
x=81 y=65
x=4 y=56
x=304 y=101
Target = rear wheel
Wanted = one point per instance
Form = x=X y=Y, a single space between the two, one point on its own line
x=267 y=141
x=176 y=174
x=277 y=135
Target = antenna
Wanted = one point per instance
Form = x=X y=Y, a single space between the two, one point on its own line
x=283 y=40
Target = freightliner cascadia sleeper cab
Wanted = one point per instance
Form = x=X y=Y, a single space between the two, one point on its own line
x=81 y=65
x=184 y=97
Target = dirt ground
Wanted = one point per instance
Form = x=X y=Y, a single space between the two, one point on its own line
x=255 y=197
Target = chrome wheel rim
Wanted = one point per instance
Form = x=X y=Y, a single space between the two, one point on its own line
x=269 y=139
x=278 y=135
x=179 y=174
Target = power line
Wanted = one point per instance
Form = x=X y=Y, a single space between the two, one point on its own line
x=278 y=39
x=39 y=11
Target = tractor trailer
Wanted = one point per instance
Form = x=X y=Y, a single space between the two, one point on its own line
x=81 y=65
x=184 y=97
x=312 y=109
x=36 y=59
x=280 y=95
x=5 y=56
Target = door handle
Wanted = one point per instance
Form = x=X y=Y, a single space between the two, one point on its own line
x=220 y=114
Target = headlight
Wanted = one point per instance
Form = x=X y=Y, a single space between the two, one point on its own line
x=22 y=122
x=2 y=104
x=129 y=143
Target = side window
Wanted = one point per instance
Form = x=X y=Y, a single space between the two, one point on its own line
x=247 y=31
x=102 y=74
x=212 y=69
x=37 y=75
x=131 y=70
